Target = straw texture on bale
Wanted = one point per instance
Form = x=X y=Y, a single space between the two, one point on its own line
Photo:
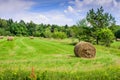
x=1 y=37
x=10 y=38
x=85 y=50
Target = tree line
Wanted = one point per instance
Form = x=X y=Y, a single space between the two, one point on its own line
x=98 y=27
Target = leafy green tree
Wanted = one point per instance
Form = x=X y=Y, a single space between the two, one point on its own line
x=2 y=31
x=9 y=23
x=48 y=33
x=82 y=23
x=37 y=31
x=99 y=20
x=31 y=27
x=59 y=35
x=22 y=28
x=117 y=34
x=74 y=31
x=18 y=29
x=84 y=32
x=13 y=28
x=54 y=28
x=106 y=36
x=3 y=23
x=40 y=30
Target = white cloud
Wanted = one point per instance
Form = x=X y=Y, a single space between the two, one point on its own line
x=83 y=6
x=43 y=18
x=65 y=11
x=60 y=19
x=70 y=9
x=46 y=18
x=14 y=6
x=91 y=3
x=20 y=10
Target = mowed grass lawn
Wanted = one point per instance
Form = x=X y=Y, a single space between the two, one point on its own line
x=49 y=59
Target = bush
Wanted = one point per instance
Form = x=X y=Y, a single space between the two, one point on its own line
x=47 y=34
x=59 y=35
x=2 y=31
x=106 y=36
x=85 y=38
x=117 y=34
x=37 y=34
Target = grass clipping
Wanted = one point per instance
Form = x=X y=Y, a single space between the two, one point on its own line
x=85 y=50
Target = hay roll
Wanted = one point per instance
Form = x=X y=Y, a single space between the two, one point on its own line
x=1 y=37
x=31 y=37
x=85 y=50
x=10 y=38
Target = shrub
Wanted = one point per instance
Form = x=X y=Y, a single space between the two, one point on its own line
x=47 y=33
x=85 y=38
x=106 y=36
x=117 y=34
x=59 y=35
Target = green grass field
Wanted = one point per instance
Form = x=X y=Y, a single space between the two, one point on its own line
x=49 y=59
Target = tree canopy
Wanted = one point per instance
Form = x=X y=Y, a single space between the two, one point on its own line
x=98 y=20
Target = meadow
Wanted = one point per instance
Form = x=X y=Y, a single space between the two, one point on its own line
x=51 y=59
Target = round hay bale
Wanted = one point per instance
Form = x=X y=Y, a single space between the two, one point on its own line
x=1 y=37
x=85 y=50
x=31 y=37
x=10 y=38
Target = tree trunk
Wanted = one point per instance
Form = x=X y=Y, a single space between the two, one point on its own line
x=97 y=41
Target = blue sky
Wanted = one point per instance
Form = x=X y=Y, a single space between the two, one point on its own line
x=58 y=12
